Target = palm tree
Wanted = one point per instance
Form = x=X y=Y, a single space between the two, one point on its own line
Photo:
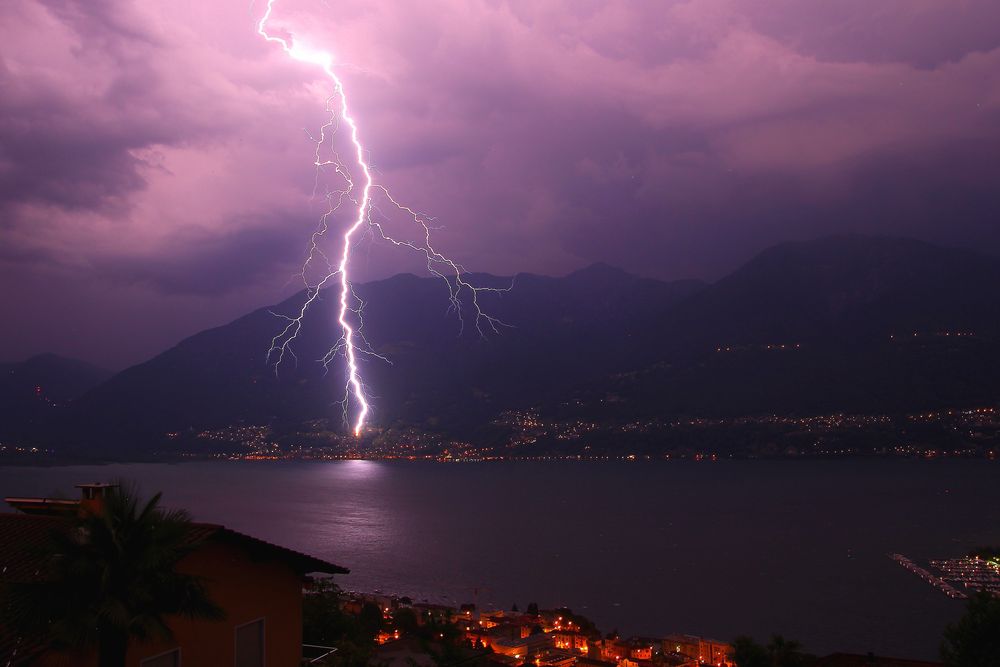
x=111 y=579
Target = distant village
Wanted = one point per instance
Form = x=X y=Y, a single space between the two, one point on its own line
x=421 y=634
x=525 y=435
x=540 y=637
x=575 y=434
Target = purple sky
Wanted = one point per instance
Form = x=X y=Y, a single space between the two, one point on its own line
x=155 y=176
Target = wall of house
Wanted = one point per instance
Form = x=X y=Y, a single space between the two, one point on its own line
x=247 y=590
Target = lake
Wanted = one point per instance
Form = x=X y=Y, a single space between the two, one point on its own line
x=711 y=548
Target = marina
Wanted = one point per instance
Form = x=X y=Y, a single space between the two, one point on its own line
x=957 y=576
x=933 y=580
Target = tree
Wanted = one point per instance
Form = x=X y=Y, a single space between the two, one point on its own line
x=323 y=619
x=779 y=652
x=532 y=609
x=514 y=608
x=370 y=620
x=111 y=579
x=985 y=552
x=324 y=622
x=784 y=652
x=975 y=640
x=583 y=624
x=405 y=621
x=748 y=653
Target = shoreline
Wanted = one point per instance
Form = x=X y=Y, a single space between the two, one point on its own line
x=59 y=461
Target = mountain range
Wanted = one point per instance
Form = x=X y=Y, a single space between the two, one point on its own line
x=38 y=391
x=849 y=323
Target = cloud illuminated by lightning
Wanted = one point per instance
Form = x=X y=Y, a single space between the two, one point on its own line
x=337 y=271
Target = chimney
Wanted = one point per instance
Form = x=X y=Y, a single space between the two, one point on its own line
x=92 y=496
x=91 y=501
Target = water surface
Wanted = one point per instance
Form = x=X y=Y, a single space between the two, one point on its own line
x=718 y=549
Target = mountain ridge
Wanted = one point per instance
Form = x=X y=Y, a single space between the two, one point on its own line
x=802 y=326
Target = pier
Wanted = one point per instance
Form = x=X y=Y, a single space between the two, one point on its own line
x=934 y=580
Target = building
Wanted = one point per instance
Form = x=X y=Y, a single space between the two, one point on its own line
x=521 y=647
x=678 y=660
x=706 y=651
x=617 y=649
x=593 y=662
x=468 y=611
x=479 y=637
x=433 y=613
x=570 y=640
x=489 y=619
x=640 y=648
x=257 y=584
x=554 y=658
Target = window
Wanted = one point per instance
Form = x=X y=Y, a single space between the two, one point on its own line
x=250 y=644
x=168 y=659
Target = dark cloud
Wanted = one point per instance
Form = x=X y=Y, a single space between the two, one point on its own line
x=71 y=145
x=922 y=33
x=65 y=167
x=101 y=23
x=147 y=146
x=195 y=263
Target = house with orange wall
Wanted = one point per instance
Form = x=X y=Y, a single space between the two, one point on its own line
x=259 y=586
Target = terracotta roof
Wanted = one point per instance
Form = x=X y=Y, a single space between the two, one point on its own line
x=299 y=561
x=16 y=651
x=22 y=538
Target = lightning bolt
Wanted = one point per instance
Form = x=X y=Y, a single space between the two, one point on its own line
x=453 y=273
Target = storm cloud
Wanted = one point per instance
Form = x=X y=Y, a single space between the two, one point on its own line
x=160 y=150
